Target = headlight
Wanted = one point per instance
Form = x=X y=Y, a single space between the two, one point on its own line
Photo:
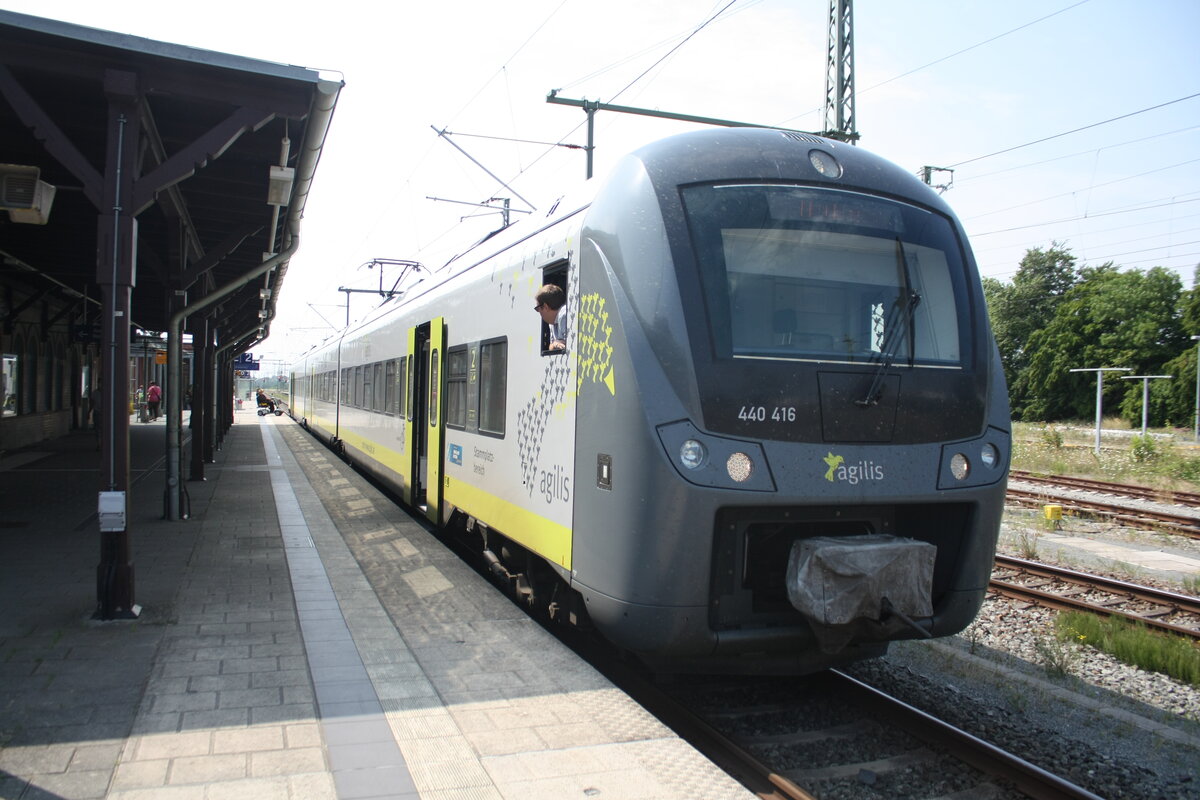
x=988 y=456
x=693 y=454
x=825 y=164
x=739 y=466
x=960 y=467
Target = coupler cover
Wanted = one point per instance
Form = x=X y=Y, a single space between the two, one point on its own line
x=836 y=581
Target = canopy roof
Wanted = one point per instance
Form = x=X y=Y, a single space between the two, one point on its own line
x=207 y=129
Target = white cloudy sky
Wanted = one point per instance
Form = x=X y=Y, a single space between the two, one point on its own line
x=1075 y=121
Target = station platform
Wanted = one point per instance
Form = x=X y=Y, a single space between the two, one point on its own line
x=300 y=636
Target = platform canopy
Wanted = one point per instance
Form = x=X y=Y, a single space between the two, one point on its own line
x=222 y=150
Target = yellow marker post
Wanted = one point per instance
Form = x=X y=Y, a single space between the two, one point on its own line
x=1053 y=514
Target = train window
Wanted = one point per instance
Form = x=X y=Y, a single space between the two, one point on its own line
x=389 y=383
x=493 y=381
x=434 y=363
x=408 y=387
x=803 y=273
x=345 y=389
x=456 y=387
x=402 y=386
x=377 y=387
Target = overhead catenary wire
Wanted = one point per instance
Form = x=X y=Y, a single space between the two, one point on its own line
x=1075 y=130
x=643 y=74
x=1141 y=140
x=1074 y=192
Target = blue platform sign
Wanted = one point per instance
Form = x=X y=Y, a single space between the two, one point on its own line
x=245 y=362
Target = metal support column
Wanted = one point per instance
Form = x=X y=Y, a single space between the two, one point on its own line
x=210 y=399
x=116 y=273
x=198 y=327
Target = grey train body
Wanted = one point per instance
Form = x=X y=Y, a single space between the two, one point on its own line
x=777 y=346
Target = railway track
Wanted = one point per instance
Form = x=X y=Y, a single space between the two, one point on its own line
x=1144 y=519
x=1168 y=496
x=1068 y=590
x=832 y=735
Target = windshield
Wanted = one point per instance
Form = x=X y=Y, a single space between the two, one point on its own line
x=795 y=272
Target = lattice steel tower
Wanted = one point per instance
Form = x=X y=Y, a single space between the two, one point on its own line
x=839 y=74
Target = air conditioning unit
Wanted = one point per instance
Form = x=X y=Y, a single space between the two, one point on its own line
x=26 y=198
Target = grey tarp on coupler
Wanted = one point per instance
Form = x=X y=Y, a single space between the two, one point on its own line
x=840 y=582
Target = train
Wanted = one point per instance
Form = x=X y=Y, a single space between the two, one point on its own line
x=776 y=440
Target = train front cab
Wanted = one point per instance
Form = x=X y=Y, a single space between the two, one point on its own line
x=788 y=361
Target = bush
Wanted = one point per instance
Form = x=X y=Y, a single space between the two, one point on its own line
x=1052 y=437
x=1144 y=449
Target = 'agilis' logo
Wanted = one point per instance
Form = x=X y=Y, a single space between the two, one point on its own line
x=862 y=471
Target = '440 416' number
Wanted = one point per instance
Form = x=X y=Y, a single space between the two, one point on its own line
x=761 y=414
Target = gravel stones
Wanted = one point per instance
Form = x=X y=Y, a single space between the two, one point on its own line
x=1116 y=730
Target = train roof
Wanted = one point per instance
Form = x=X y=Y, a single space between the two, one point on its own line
x=565 y=205
x=702 y=156
x=730 y=154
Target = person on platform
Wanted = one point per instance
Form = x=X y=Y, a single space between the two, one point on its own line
x=153 y=400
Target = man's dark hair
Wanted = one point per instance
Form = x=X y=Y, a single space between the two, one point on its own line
x=552 y=295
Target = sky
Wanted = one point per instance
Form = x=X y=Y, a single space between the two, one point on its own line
x=1074 y=122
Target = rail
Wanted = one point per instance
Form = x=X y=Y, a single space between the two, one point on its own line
x=1161 y=603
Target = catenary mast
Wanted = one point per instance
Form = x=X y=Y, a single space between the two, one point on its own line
x=839 y=73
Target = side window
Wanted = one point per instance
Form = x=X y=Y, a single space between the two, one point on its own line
x=389 y=392
x=493 y=382
x=434 y=364
x=377 y=387
x=346 y=387
x=402 y=386
x=555 y=274
x=456 y=387
x=408 y=388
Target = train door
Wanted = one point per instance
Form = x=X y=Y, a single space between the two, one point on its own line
x=428 y=346
x=411 y=449
x=419 y=359
x=437 y=380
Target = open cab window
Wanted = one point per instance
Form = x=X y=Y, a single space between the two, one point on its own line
x=555 y=274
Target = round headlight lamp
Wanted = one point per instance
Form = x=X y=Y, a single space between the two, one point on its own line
x=960 y=467
x=693 y=454
x=989 y=456
x=825 y=163
x=739 y=466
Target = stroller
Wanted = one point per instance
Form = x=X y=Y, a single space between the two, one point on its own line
x=267 y=406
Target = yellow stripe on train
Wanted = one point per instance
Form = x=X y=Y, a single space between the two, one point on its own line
x=548 y=539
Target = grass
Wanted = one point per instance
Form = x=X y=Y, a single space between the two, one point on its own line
x=1132 y=643
x=1163 y=459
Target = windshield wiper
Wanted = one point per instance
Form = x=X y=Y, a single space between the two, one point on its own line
x=894 y=332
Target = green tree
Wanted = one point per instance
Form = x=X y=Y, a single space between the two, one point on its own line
x=1027 y=305
x=1109 y=318
x=1181 y=404
x=1190 y=306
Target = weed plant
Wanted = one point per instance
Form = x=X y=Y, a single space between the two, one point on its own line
x=1057 y=654
x=1132 y=643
